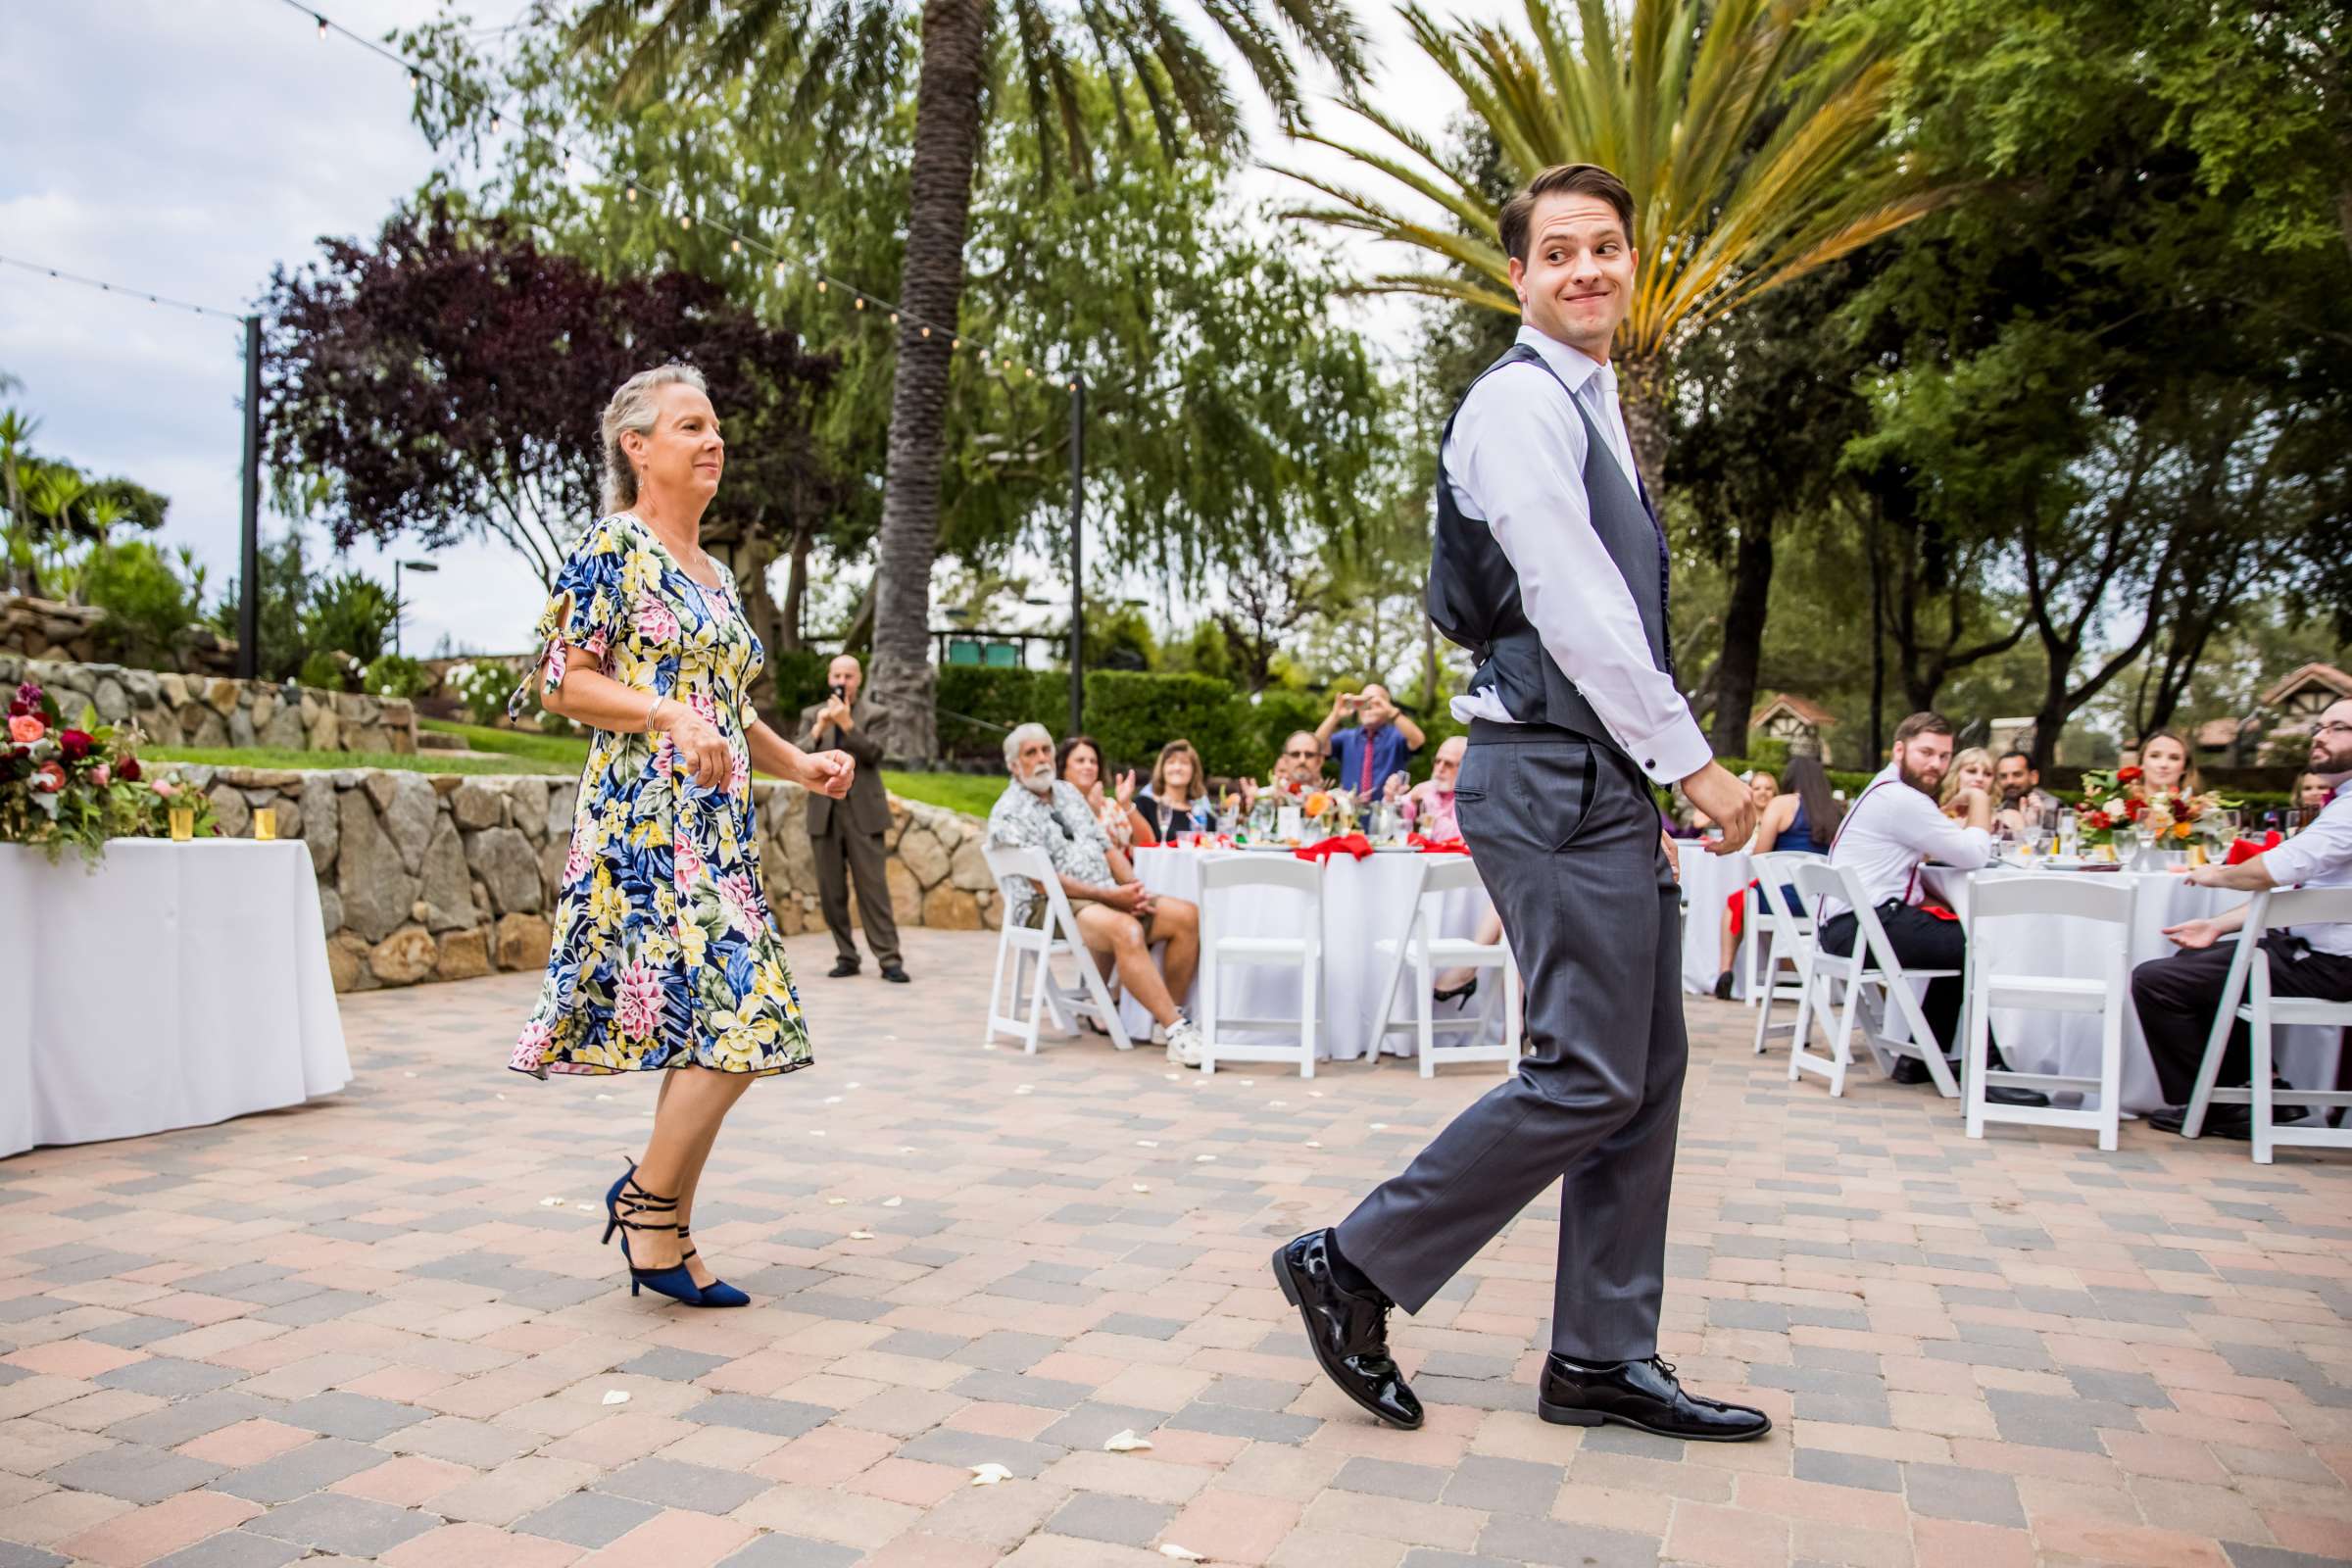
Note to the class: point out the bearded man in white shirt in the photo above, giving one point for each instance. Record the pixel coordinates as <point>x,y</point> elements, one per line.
<point>2177,996</point>
<point>1891,829</point>
<point>1548,563</point>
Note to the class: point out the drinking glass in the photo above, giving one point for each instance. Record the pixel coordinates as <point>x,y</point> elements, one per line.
<point>2145,837</point>
<point>264,823</point>
<point>183,823</point>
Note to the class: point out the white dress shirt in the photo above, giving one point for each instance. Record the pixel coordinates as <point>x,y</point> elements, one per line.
<point>1889,830</point>
<point>2320,857</point>
<point>1516,461</point>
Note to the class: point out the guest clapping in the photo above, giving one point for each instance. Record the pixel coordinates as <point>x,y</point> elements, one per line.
<point>1079,762</point>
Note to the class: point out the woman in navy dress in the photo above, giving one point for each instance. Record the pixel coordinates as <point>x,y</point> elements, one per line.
<point>1802,821</point>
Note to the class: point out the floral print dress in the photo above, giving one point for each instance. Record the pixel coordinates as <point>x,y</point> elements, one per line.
<point>665,952</point>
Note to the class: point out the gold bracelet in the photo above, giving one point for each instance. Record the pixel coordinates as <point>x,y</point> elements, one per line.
<point>653,708</point>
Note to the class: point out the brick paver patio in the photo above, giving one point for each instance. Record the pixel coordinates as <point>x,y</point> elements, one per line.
<point>379,1328</point>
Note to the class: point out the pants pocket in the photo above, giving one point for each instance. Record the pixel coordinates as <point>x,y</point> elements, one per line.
<point>1555,788</point>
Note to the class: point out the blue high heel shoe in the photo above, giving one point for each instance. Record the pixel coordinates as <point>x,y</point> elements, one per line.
<point>626,1199</point>
<point>718,1292</point>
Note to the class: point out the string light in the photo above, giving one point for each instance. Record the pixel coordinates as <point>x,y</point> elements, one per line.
<point>862,302</point>
<point>321,20</point>
<point>632,193</point>
<point>926,331</point>
<point>495,123</point>
<point>105,287</point>
<point>736,246</point>
<point>685,220</point>
<point>820,283</point>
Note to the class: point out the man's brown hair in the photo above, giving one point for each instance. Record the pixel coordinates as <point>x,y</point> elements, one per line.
<point>1583,179</point>
<point>1921,724</point>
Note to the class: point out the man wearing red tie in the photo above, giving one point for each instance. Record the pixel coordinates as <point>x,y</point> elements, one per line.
<point>1383,742</point>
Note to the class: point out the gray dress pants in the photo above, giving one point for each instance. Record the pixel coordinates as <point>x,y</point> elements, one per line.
<point>1565,835</point>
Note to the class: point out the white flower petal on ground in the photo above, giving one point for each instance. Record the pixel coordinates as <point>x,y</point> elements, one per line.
<point>1142,1188</point>
<point>832,1100</point>
<point>1169,1548</point>
<point>1024,1089</point>
<point>988,1475</point>
<point>892,1202</point>
<point>616,1396</point>
<point>1380,1126</point>
<point>862,1236</point>
<point>1146,1143</point>
<point>1203,1159</point>
<point>1124,1443</point>
<point>837,1202</point>
<point>1314,1143</point>
<point>551,1202</point>
<point>1249,1082</point>
<point>603,1097</point>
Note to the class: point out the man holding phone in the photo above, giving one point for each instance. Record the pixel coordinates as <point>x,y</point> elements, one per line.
<point>847,834</point>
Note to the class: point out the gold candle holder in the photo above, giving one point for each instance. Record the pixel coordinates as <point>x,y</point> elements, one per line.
<point>183,823</point>
<point>264,823</point>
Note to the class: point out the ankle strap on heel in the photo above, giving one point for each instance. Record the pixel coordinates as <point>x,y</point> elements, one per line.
<point>635,1200</point>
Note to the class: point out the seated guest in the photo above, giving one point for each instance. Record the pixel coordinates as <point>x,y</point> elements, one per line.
<point>1762,788</point>
<point>1296,770</point>
<point>1117,917</point>
<point>2179,996</point>
<point>1382,741</point>
<point>1079,762</point>
<point>1887,833</point>
<point>1801,821</point>
<point>1176,800</point>
<point>1971,769</point>
<point>2164,763</point>
<point>1432,796</point>
<point>2023,800</point>
<point>2312,792</point>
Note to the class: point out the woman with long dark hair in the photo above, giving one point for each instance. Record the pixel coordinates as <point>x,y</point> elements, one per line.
<point>1803,820</point>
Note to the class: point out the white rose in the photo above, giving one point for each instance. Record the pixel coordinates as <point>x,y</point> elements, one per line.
<point>2114,808</point>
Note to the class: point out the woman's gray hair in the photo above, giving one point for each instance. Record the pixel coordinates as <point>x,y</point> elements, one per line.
<point>635,407</point>
<point>1021,735</point>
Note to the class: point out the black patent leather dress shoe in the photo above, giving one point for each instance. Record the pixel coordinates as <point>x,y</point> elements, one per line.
<point>2227,1122</point>
<point>1349,1333</point>
<point>896,974</point>
<point>842,969</point>
<point>1644,1395</point>
<point>1910,1070</point>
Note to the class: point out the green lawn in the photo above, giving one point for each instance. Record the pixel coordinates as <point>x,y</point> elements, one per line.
<point>522,752</point>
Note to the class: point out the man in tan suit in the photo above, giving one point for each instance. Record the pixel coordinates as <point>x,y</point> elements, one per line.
<point>848,833</point>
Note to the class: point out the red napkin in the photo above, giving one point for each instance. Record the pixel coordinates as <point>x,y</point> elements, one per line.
<point>1354,844</point>
<point>2245,850</point>
<point>1428,846</point>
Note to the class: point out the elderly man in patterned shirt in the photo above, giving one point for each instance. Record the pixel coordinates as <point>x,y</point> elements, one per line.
<point>1117,916</point>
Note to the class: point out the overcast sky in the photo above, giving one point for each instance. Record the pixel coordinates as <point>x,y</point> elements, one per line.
<point>190,146</point>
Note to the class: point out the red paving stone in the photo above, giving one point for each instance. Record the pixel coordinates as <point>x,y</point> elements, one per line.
<point>366,1317</point>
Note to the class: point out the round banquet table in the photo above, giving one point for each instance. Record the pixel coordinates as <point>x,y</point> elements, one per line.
<point>173,985</point>
<point>1364,901</point>
<point>1708,882</point>
<point>2069,1042</point>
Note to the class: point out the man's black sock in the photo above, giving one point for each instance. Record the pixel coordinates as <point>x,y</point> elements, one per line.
<point>1345,1274</point>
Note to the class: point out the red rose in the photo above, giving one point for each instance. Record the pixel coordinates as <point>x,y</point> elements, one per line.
<point>51,779</point>
<point>127,769</point>
<point>2125,776</point>
<point>2097,822</point>
<point>75,744</point>
<point>2133,809</point>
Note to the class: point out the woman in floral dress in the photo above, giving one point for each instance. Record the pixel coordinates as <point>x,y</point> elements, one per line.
<point>666,957</point>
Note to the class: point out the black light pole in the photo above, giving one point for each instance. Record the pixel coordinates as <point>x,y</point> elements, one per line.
<point>399,604</point>
<point>249,552</point>
<point>1077,554</point>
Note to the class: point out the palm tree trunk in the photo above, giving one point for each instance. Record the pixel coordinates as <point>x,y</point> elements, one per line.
<point>947,144</point>
<point>1743,639</point>
<point>1641,398</point>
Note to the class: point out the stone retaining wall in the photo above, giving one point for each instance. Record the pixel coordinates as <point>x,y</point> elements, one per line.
<point>427,876</point>
<point>176,710</point>
<point>84,634</point>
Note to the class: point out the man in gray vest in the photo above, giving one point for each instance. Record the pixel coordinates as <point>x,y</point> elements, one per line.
<point>847,834</point>
<point>1549,564</point>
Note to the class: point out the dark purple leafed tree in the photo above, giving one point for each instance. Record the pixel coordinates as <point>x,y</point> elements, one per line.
<point>448,379</point>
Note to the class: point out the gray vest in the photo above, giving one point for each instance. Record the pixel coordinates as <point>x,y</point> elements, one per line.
<point>1473,594</point>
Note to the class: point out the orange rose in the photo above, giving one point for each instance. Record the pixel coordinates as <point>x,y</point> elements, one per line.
<point>1317,803</point>
<point>26,728</point>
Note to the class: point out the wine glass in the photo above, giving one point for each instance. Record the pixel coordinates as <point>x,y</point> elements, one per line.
<point>2145,837</point>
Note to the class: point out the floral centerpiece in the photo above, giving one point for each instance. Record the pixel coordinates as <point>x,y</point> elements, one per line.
<point>2119,804</point>
<point>79,784</point>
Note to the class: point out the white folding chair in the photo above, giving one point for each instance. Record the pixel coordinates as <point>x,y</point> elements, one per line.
<point>2107,994</point>
<point>1020,947</point>
<point>1835,985</point>
<point>1779,935</point>
<point>2274,910</point>
<point>1424,954</point>
<point>1224,874</point>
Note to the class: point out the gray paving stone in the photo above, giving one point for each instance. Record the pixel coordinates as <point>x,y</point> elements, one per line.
<point>783,1418</point>
<point>357,1417</point>
<point>460,1440</point>
<point>235,1548</point>
<point>586,1519</point>
<point>1831,1468</point>
<point>1235,1421</point>
<point>298,1472</point>
<point>323,1307</point>
<point>2242,1555</point>
<point>1432,1557</point>
<point>16,1554</point>
<point>669,1484</point>
<point>1004,1350</point>
<point>168,1377</point>
<point>356,1527</point>
<point>793,1551</point>
<point>1503,1486</point>
<point>921,1345</point>
<point>844,1308</point>
<point>1139,1327</point>
<point>133,1332</point>
<point>1614,1438</point>
<point>1107,1516</point>
<point>134,1472</point>
<point>1014,1387</point>
<point>1388,1478</point>
<point>961,1450</point>
<point>1087,1425</point>
<point>675,1365</point>
<point>1726,1313</point>
<point>1951,1491</point>
<point>2134,1389</point>
<point>178,1423</point>
<point>1516,1539</point>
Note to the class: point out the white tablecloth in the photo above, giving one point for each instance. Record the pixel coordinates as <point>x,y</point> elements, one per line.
<point>173,986</point>
<point>1708,881</point>
<point>2069,1044</point>
<point>1363,903</point>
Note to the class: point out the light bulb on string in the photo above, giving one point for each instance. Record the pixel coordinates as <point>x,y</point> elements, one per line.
<point>415,81</point>
<point>953,344</point>
<point>862,302</point>
<point>1032,372</point>
<point>893,318</point>
<point>779,271</point>
<point>685,220</point>
<point>820,285</point>
<point>735,245</point>
<point>926,331</point>
<point>321,20</point>
<point>632,192</point>
<point>496,122</point>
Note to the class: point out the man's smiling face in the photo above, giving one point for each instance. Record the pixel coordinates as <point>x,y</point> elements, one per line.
<point>1577,282</point>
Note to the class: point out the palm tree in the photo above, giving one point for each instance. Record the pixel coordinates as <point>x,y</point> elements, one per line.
<point>841,50</point>
<point>16,440</point>
<point>1757,150</point>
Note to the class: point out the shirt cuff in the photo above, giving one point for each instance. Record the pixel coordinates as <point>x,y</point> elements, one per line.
<point>1673,753</point>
